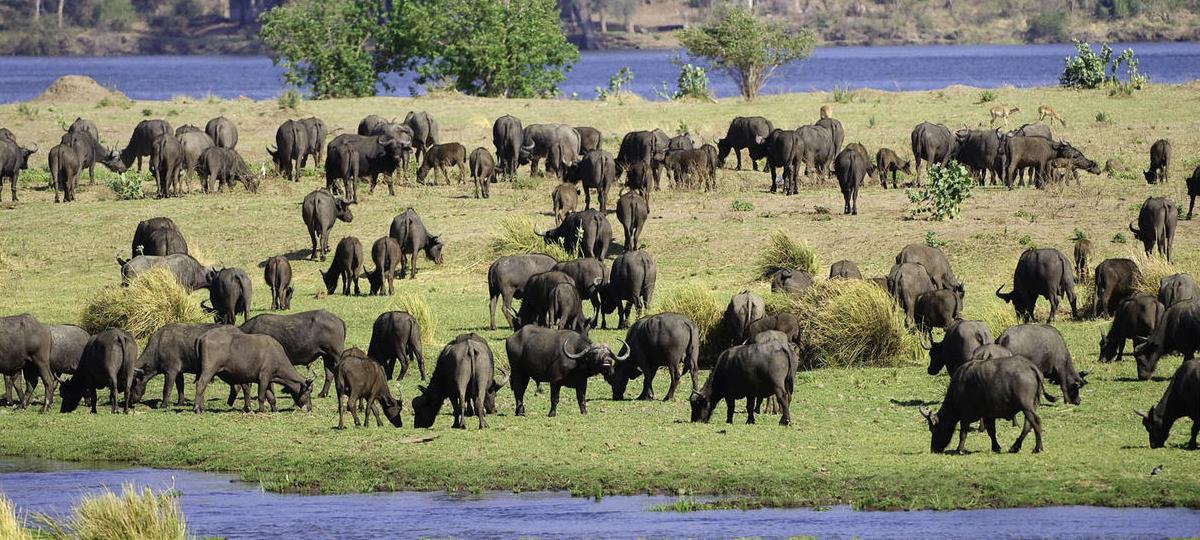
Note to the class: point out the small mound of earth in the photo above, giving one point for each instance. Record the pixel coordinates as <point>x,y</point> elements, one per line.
<point>78,88</point>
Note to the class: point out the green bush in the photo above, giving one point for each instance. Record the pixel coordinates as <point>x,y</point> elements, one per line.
<point>739,205</point>
<point>127,186</point>
<point>942,196</point>
<point>692,83</point>
<point>933,240</point>
<point>1089,70</point>
<point>783,253</point>
<point>745,47</point>
<point>987,96</point>
<point>1077,235</point>
<point>289,100</point>
<point>842,94</point>
<point>616,85</point>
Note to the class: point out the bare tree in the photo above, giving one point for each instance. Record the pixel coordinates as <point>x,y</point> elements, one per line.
<point>60,13</point>
<point>37,10</point>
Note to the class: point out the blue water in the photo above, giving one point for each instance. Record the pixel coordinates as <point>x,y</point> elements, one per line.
<point>215,505</point>
<point>884,68</point>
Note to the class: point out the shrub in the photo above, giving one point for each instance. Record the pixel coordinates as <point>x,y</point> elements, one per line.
<point>850,323</point>
<point>702,307</point>
<point>144,515</point>
<point>987,96</point>
<point>842,94</point>
<point>1118,238</point>
<point>11,527</point>
<point>127,186</point>
<point>1102,118</point>
<point>1077,235</point>
<point>616,86</point>
<point>871,121</point>
<point>419,309</point>
<point>933,240</point>
<point>1153,268</point>
<point>783,253</point>
<point>946,187</point>
<point>26,111</point>
<point>151,301</point>
<point>739,205</point>
<point>517,237</point>
<point>147,113</point>
<point>289,100</point>
<point>692,83</point>
<point>1090,70</point>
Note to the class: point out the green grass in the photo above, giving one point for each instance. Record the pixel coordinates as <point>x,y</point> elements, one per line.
<point>856,437</point>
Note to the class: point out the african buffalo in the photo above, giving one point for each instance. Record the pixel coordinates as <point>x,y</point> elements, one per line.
<point>187,270</point>
<point>596,171</point>
<point>745,132</point>
<point>166,162</point>
<point>1178,331</point>
<point>361,378</point>
<point>1193,190</point>
<point>1156,225</point>
<point>887,161</point>
<point>158,236</point>
<point>790,281</point>
<point>1160,162</point>
<point>1179,400</point>
<point>667,340</point>
<point>171,351</point>
<point>744,308</point>
<point>1043,345</point>
<point>781,152</point>
<point>1037,152</point>
<point>91,152</point>
<point>632,212</point>
<point>935,264</point>
<point>589,275</point>
<point>346,265</point>
<point>564,309</point>
<point>937,309</point>
<point>109,360</point>
<point>815,150</point>
<point>932,143</point>
<point>558,144</point>
<point>64,166</point>
<point>13,159</point>
<point>1177,288</point>
<point>536,301</point>
<point>597,234</point>
<point>464,374</point>
<point>230,294</point>
<point>907,282</point>
<point>224,167</point>
<point>320,212</point>
<point>1044,272</point>
<point>441,156</point>
<point>979,150</point>
<point>1083,252</point>
<point>563,200</point>
<point>424,129</point>
<point>66,347</point>
<point>754,371</point>
<point>142,140</point>
<point>408,231</point>
<point>690,168</point>
<point>277,273</point>
<point>306,336</point>
<point>1115,280</point>
<point>385,253</point>
<point>646,150</point>
<point>396,336</point>
<point>784,323</point>
<point>844,269</point>
<point>194,144</point>
<point>589,138</point>
<point>26,343</point>
<point>291,147</point>
<point>244,358</point>
<point>507,277</point>
<point>630,285</point>
<point>354,156</point>
<point>508,137</point>
<point>987,390</point>
<point>559,357</point>
<point>850,168</point>
<point>483,171</point>
<point>956,348</point>
<point>1133,319</point>
<point>316,133</point>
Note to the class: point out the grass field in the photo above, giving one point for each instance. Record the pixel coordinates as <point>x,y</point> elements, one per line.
<point>856,436</point>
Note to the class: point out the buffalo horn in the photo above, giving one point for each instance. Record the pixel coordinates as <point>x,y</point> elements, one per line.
<point>624,348</point>
<point>571,355</point>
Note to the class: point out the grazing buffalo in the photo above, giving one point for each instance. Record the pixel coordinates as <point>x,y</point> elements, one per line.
<point>245,358</point>
<point>223,132</point>
<point>483,171</point>
<point>906,282</point>
<point>408,231</point>
<point>743,309</point>
<point>597,234</point>
<point>385,253</point>
<point>589,138</point>
<point>396,336</point>
<point>596,171</point>
<point>1134,319</point>
<point>64,166</point>
<point>1193,190</point>
<point>320,212</point>
<point>749,133</point>
<point>424,129</point>
<point>1115,280</point>
<point>887,161</point>
<point>278,275</point>
<point>1177,288</point>
<point>1083,252</point>
<point>630,285</point>
<point>1156,225</point>
<point>354,156</point>
<point>632,212</point>
<point>13,159</point>
<point>784,323</point>
<point>987,390</point>
<point>346,265</point>
<point>109,360</point>
<point>361,378</point>
<point>935,264</point>
<point>850,168</point>
<point>790,281</point>
<point>590,276</point>
<point>754,371</point>
<point>465,375</point>
<point>937,309</point>
<point>194,144</point>
<point>66,347</point>
<point>979,150</point>
<point>151,237</point>
<point>836,133</point>
<point>507,277</point>
<point>171,351</point>
<point>956,348</point>
<point>441,156</point>
<point>91,152</point>
<point>932,143</point>
<point>1044,272</point>
<point>508,137</point>
<point>26,344</point>
<point>187,270</point>
<point>564,309</point>
<point>81,125</point>
<point>647,150</point>
<point>1043,345</point>
<point>1178,331</point>
<point>230,294</point>
<point>306,336</point>
<point>559,357</point>
<point>224,167</point>
<point>166,162</point>
<point>1182,398</point>
<point>1037,153</point>
<point>667,340</point>
<point>690,169</point>
<point>815,150</point>
<point>563,200</point>
<point>1160,162</point>
<point>844,269</point>
<point>536,304</point>
<point>558,144</point>
<point>291,148</point>
<point>317,132</point>
<point>142,140</point>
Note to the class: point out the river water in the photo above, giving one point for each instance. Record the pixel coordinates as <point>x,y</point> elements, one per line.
<point>883,68</point>
<point>216,505</point>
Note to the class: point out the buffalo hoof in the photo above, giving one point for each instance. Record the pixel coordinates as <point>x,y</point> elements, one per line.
<point>645,397</point>
<point>552,414</point>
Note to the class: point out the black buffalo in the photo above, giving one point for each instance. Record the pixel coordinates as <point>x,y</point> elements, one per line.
<point>1115,280</point>
<point>784,323</point>
<point>508,137</point>
<point>956,348</point>
<point>935,264</point>
<point>932,143</point>
<point>507,277</point>
<point>631,285</point>
<point>87,146</point>
<point>597,234</point>
<point>906,282</point>
<point>172,352</point>
<point>1178,331</point>
<point>1134,319</point>
<point>844,269</point>
<point>408,231</point>
<point>887,161</point>
<point>25,343</point>
<point>589,138</point>
<point>1177,288</point>
<point>142,140</point>
<point>13,159</point>
<point>1160,162</point>
<point>749,133</point>
<point>291,147</point>
<point>596,171</point>
<point>1042,272</point>
<point>395,336</point>
<point>536,304</point>
<point>109,360</point>
<point>351,157</point>
<point>743,309</point>
<point>558,144</point>
<point>166,162</point>
<point>987,390</point>
<point>632,212</point>
<point>483,171</point>
<point>1156,225</point>
<point>563,201</point>
<point>385,253</point>
<point>316,132</point>
<point>1182,398</point>
<point>245,358</point>
<point>790,281</point>
<point>346,266</point>
<point>306,336</point>
<point>64,166</point>
<point>187,270</point>
<point>754,371</point>
<point>223,132</point>
<point>230,294</point>
<point>320,212</point>
<point>220,168</point>
<point>158,236</point>
<point>667,340</point>
<point>361,378</point>
<point>850,168</point>
<point>278,274</point>
<point>440,157</point>
<point>559,357</point>
<point>1043,345</point>
<point>464,374</point>
<point>937,309</point>
<point>424,129</point>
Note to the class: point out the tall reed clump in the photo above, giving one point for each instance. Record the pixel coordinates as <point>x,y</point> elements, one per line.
<point>518,237</point>
<point>151,301</point>
<point>849,323</point>
<point>704,309</point>
<point>419,309</point>
<point>144,515</point>
<point>11,527</point>
<point>1153,268</point>
<point>783,253</point>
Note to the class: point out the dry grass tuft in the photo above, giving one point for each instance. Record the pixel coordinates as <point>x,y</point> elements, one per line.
<point>696,303</point>
<point>998,316</point>
<point>419,309</point>
<point>144,515</point>
<point>1153,268</point>
<point>783,253</point>
<point>152,300</point>
<point>517,237</point>
<point>11,527</point>
<point>849,323</point>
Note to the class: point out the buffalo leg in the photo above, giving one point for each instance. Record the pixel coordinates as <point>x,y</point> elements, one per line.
<point>246,398</point>
<point>1191,445</point>
<point>673,370</point>
<point>730,405</point>
<point>329,364</point>
<point>202,381</point>
<point>457,402</point>
<point>554,393</point>
<point>480,410</point>
<point>990,425</point>
<point>341,409</point>
<point>785,405</point>
<point>519,383</point>
<point>312,235</point>
<point>373,407</point>
<point>963,428</point>
<point>352,404</point>
<point>91,397</point>
<point>581,396</point>
<point>1028,425</point>
<point>752,403</point>
<point>232,396</point>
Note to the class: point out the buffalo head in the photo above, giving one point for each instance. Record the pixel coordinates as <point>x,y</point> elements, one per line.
<point>622,373</point>
<point>597,357</point>
<point>342,208</point>
<point>424,408</point>
<point>1022,305</point>
<point>392,409</point>
<point>941,431</point>
<point>1147,355</point>
<point>1156,427</point>
<point>701,412</point>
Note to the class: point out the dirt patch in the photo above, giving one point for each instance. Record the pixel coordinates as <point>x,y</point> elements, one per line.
<point>77,89</point>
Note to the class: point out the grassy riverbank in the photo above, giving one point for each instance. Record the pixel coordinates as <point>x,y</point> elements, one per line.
<point>856,436</point>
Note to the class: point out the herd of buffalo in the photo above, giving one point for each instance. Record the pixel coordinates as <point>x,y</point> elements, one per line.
<point>991,377</point>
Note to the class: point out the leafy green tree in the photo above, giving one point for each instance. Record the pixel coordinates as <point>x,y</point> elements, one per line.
<point>511,48</point>
<point>325,45</point>
<point>747,48</point>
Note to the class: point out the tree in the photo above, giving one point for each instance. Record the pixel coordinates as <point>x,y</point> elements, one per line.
<point>324,45</point>
<point>510,48</point>
<point>745,47</point>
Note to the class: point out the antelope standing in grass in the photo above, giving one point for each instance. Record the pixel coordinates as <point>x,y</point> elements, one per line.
<point>1046,111</point>
<point>1001,112</point>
